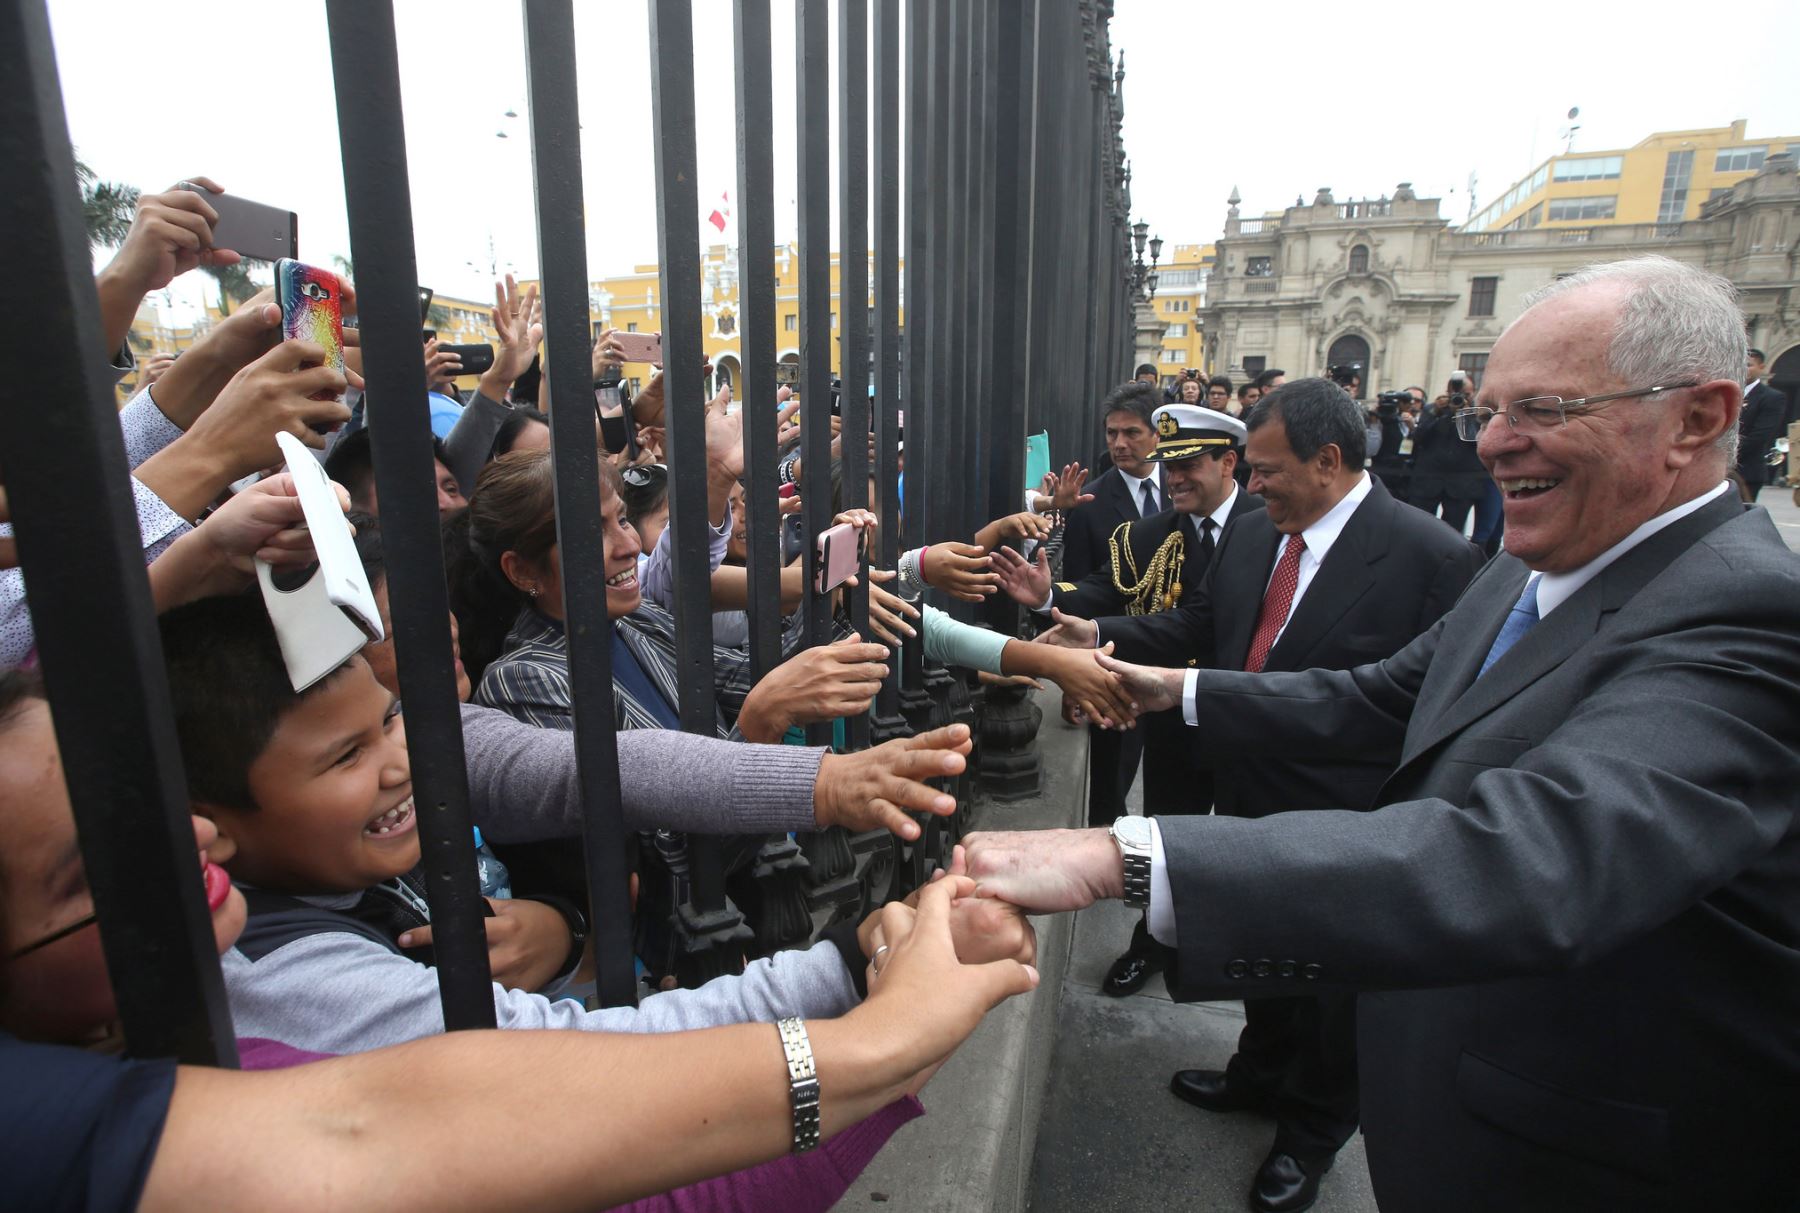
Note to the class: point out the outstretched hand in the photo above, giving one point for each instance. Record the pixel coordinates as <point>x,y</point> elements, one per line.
<point>1071,631</point>
<point>961,570</point>
<point>1045,871</point>
<point>1026,582</point>
<point>874,789</point>
<point>1153,689</point>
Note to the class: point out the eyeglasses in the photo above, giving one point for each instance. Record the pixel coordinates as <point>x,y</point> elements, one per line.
<point>639,475</point>
<point>1537,413</point>
<point>80,924</point>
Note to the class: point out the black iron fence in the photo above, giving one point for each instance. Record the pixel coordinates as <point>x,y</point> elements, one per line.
<point>995,167</point>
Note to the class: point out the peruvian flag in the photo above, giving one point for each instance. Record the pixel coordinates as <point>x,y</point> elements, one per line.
<point>721,215</point>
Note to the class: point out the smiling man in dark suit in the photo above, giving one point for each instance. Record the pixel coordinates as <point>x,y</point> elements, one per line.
<point>1334,573</point>
<point>1575,919</point>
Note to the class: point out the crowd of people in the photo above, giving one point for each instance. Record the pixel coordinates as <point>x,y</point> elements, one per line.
<point>1533,930</point>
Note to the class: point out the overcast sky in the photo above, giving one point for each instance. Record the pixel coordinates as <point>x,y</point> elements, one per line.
<point>1276,102</point>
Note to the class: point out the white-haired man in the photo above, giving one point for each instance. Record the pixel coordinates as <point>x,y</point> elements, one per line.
<point>1575,920</point>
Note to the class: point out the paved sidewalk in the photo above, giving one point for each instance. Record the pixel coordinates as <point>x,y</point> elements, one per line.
<point>1780,504</point>
<point>1112,1137</point>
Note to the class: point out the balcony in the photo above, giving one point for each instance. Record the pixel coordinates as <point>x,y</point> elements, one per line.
<point>1257,227</point>
<point>1260,286</point>
<point>1608,235</point>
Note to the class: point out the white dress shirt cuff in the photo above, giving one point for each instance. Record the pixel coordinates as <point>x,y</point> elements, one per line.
<point>1160,917</point>
<point>1190,709</point>
<point>1043,608</point>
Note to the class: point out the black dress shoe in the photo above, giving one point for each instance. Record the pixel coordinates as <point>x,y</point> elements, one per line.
<point>1208,1089</point>
<point>1284,1184</point>
<point>1130,971</point>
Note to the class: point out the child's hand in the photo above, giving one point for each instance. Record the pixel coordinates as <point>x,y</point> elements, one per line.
<point>528,942</point>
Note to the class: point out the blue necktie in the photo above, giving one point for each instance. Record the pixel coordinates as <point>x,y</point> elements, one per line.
<point>1520,620</point>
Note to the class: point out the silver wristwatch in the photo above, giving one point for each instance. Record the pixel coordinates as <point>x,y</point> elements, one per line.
<point>803,1084</point>
<point>1132,836</point>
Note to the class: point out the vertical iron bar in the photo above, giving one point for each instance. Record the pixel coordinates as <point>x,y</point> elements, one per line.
<point>853,292</point>
<point>1010,226</point>
<point>756,316</point>
<point>886,337</point>
<point>555,118</point>
<point>71,499</point>
<point>678,246</point>
<point>812,44</point>
<point>366,70</point>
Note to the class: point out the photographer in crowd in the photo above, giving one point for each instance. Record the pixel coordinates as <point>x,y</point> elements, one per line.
<point>1447,478</point>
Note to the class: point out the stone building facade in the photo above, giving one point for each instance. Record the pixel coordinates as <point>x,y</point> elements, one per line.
<point>1388,283</point>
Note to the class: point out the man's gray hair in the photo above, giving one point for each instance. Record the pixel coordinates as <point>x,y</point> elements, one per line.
<point>1677,324</point>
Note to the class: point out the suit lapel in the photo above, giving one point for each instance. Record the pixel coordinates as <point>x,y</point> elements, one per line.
<point>1346,574</point>
<point>1556,639</point>
<point>1124,509</point>
<point>1242,577</point>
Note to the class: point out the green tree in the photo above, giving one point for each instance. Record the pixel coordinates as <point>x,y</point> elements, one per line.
<point>235,284</point>
<point>107,206</point>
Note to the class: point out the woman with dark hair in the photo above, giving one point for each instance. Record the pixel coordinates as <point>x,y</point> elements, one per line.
<point>507,594</point>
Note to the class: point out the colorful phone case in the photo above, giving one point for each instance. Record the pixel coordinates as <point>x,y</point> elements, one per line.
<point>312,309</point>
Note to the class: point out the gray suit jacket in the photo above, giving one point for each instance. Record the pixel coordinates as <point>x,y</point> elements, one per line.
<point>1580,901</point>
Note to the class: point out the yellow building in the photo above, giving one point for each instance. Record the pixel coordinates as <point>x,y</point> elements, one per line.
<point>1180,298</point>
<point>631,302</point>
<point>1664,179</point>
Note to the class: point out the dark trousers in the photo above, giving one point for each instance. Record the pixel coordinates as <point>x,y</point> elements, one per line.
<point>1174,780</point>
<point>1112,765</point>
<point>1455,511</point>
<point>1300,1053</point>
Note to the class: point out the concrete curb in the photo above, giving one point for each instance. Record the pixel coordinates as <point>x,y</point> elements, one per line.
<point>972,1152</point>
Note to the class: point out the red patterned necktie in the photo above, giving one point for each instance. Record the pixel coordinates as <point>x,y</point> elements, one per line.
<point>1275,604</point>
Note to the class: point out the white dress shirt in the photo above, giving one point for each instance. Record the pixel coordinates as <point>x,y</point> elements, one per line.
<point>1136,485</point>
<point>1318,538</point>
<point>1554,589</point>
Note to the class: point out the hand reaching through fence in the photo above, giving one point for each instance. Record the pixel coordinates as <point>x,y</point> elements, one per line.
<point>819,684</point>
<point>875,788</point>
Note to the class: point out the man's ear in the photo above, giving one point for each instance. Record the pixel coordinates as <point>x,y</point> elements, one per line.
<point>1710,410</point>
<point>1329,460</point>
<point>225,847</point>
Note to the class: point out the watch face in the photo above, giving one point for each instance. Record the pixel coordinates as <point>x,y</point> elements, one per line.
<point>1133,831</point>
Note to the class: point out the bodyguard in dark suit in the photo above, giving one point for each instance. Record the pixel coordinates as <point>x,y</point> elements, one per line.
<point>1759,425</point>
<point>1129,490</point>
<point>1575,919</point>
<point>1334,573</point>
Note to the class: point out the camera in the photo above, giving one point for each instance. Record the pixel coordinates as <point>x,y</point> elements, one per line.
<point>1459,389</point>
<point>1192,373</point>
<point>1389,404</point>
<point>1346,375</point>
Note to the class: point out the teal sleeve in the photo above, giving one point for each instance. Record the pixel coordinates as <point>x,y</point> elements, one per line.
<point>956,643</point>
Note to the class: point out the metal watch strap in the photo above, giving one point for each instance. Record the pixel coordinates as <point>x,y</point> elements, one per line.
<point>803,1083</point>
<point>1137,880</point>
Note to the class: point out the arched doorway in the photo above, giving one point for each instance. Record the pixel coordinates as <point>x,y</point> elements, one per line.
<point>1350,349</point>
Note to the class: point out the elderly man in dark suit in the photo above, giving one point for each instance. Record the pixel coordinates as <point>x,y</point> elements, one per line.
<point>1333,574</point>
<point>1761,423</point>
<point>1575,919</point>
<point>1132,488</point>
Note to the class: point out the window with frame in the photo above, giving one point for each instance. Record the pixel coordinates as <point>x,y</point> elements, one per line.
<point>1600,207</point>
<point>1171,355</point>
<point>1473,365</point>
<point>1359,259</point>
<point>1176,331</point>
<point>1590,168</point>
<point>1481,295</point>
<point>790,323</point>
<point>1740,159</point>
<point>631,326</point>
<point>1259,267</point>
<point>1675,187</point>
<point>1255,365</point>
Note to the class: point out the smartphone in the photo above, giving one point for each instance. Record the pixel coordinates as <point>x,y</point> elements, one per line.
<point>476,359</point>
<point>312,309</point>
<point>332,613</point>
<point>640,347</point>
<point>840,551</point>
<point>255,230</point>
<point>787,374</point>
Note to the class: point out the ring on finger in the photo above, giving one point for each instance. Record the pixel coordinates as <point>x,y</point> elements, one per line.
<point>875,960</point>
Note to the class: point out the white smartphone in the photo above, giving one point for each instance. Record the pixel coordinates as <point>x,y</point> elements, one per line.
<point>339,564</point>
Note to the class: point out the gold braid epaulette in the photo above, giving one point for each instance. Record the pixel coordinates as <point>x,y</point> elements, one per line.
<point>1158,587</point>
